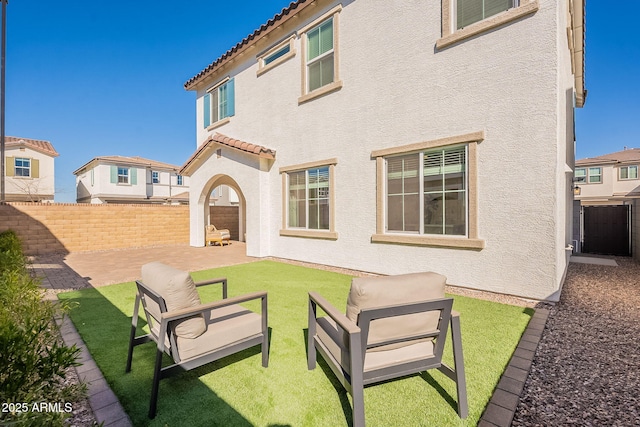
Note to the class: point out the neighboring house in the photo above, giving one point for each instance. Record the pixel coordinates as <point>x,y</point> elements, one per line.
<point>224,196</point>
<point>118,179</point>
<point>398,137</point>
<point>29,166</point>
<point>607,190</point>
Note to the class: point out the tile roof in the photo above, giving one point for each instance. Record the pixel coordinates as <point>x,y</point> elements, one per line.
<point>280,18</point>
<point>220,139</point>
<point>624,156</point>
<point>44,147</point>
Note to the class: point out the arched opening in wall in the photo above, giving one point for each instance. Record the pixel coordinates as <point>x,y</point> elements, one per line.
<point>225,206</point>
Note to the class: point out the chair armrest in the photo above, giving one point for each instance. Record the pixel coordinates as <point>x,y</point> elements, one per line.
<point>212,281</point>
<point>343,321</point>
<point>455,313</point>
<point>186,312</point>
<point>222,280</point>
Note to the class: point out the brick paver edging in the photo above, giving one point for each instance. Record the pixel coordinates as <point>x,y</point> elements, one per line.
<point>104,403</point>
<point>502,406</point>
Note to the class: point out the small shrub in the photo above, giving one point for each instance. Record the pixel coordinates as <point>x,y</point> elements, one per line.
<point>34,360</point>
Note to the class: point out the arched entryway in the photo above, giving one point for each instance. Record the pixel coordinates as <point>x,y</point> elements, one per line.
<point>205,198</point>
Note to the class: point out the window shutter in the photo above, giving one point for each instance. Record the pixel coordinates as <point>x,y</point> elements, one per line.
<point>35,168</point>
<point>114,174</point>
<point>207,110</point>
<point>134,176</point>
<point>10,166</point>
<point>231,98</point>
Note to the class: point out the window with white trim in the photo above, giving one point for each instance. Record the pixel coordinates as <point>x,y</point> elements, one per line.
<point>628,172</point>
<point>155,177</point>
<point>588,175</point>
<point>308,200</point>
<point>22,167</point>
<point>179,180</point>
<point>468,12</point>
<point>320,56</point>
<point>123,175</point>
<point>219,103</point>
<point>308,192</point>
<point>435,192</point>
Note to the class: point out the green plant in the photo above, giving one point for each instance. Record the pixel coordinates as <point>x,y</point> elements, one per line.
<point>34,360</point>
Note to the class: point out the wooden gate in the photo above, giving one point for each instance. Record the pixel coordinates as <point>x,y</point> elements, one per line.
<point>606,230</point>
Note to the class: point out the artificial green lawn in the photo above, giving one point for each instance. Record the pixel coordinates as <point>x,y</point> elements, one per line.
<point>238,391</point>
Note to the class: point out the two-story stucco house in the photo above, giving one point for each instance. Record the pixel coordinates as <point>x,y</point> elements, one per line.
<point>392,137</point>
<point>119,179</point>
<point>607,193</point>
<point>29,170</point>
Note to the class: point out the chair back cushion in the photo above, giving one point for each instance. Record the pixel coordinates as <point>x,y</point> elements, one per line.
<point>178,291</point>
<point>376,292</point>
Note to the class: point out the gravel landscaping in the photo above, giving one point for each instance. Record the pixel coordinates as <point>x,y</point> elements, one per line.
<point>585,371</point>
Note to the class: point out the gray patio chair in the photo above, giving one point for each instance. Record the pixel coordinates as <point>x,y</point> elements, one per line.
<point>192,333</point>
<point>394,326</point>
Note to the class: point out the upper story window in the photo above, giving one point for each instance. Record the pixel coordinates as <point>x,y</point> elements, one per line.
<point>471,11</point>
<point>462,19</point>
<point>276,55</point>
<point>155,177</point>
<point>320,56</point>
<point>628,172</point>
<point>588,175</point>
<point>22,167</point>
<point>219,103</point>
<point>179,179</point>
<point>123,175</point>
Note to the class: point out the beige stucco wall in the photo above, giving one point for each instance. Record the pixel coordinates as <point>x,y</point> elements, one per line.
<point>514,83</point>
<point>49,228</point>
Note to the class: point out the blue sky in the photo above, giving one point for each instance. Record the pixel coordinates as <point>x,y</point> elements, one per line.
<point>106,78</point>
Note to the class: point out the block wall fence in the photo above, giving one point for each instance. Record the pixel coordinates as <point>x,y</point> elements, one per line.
<point>62,228</point>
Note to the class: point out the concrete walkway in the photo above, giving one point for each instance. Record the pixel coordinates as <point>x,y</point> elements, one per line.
<point>61,273</point>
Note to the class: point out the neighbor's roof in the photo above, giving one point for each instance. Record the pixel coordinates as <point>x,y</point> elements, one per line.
<point>43,147</point>
<point>629,155</point>
<point>217,140</point>
<point>127,161</point>
<point>285,14</point>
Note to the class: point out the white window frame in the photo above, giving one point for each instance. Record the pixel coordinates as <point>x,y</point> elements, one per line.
<point>22,167</point>
<point>421,192</point>
<point>328,234</point>
<point>263,60</point>
<point>216,89</point>
<point>306,95</point>
<point>124,178</point>
<point>628,169</point>
<point>471,240</point>
<point>588,175</point>
<point>179,180</point>
<point>155,177</point>
<point>452,35</point>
